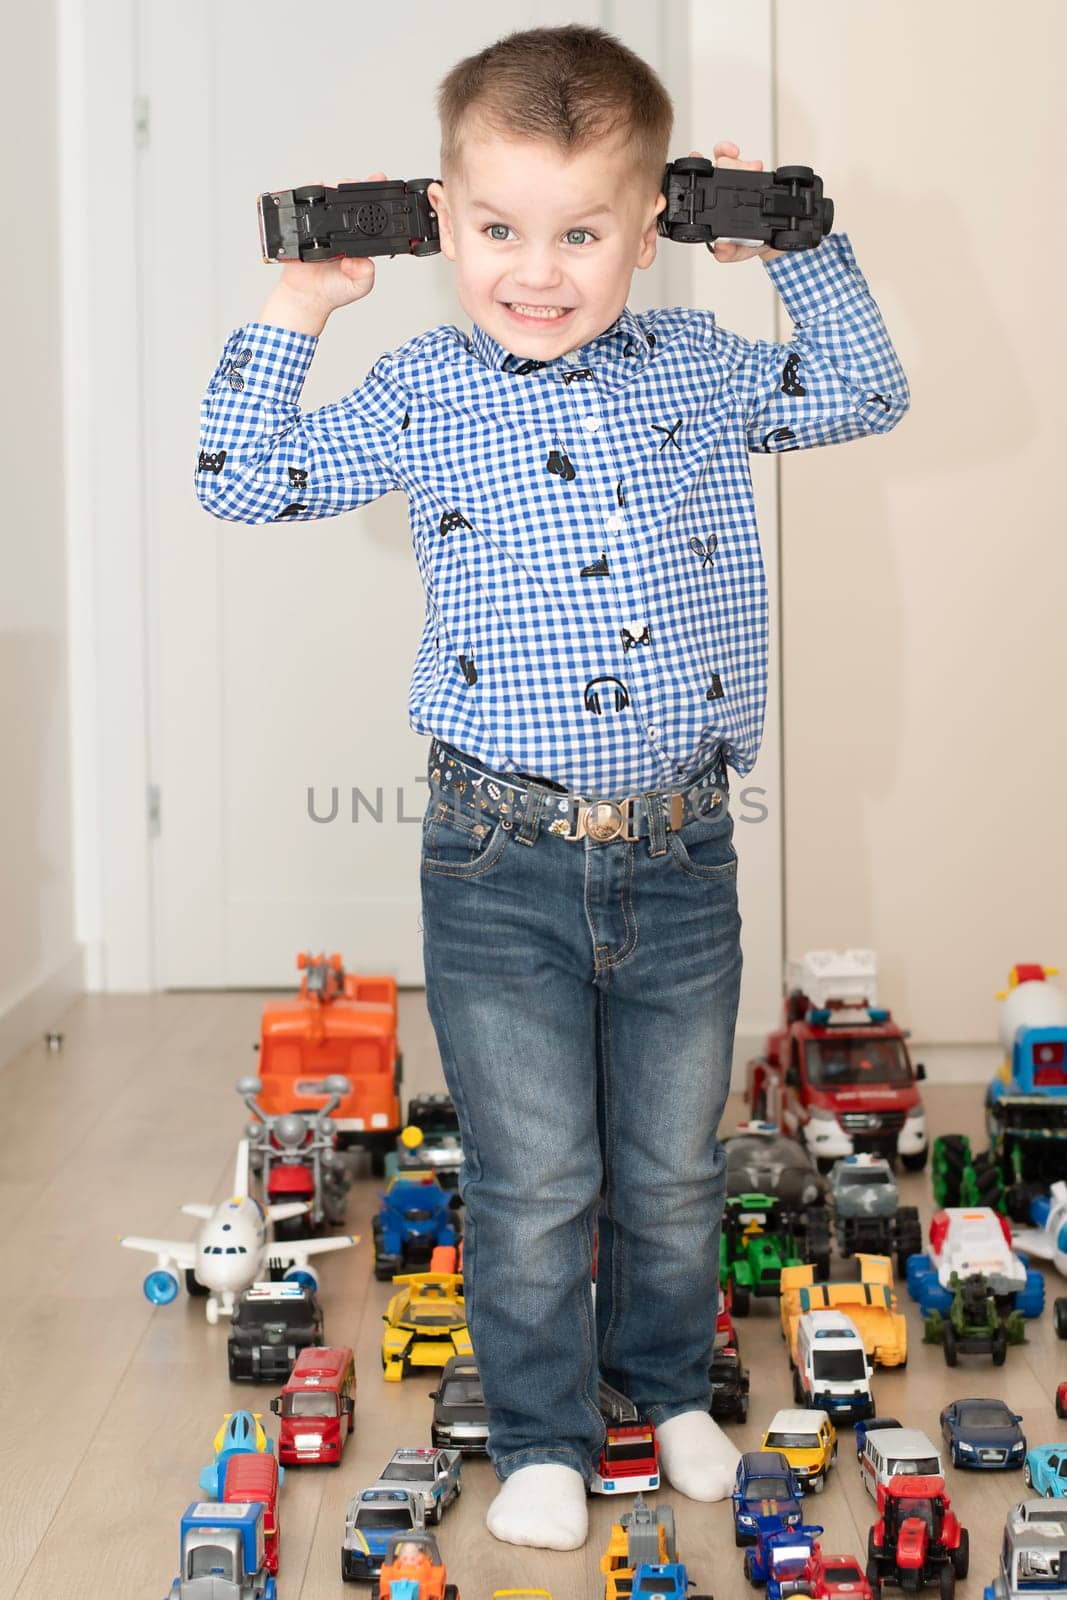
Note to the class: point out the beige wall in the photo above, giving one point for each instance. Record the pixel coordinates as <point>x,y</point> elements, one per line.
<point>37,953</point>
<point>925,574</point>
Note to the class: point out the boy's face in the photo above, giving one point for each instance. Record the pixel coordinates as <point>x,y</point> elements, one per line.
<point>523,226</point>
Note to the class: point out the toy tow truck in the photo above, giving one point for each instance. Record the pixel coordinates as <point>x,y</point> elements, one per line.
<point>629,1457</point>
<point>223,1554</point>
<point>917,1539</point>
<point>973,1325</point>
<point>340,1024</point>
<point>837,1072</point>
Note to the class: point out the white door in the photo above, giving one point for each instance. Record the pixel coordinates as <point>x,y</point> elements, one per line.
<point>280,655</point>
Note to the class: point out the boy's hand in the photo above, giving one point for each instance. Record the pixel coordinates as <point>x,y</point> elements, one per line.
<point>727,155</point>
<point>308,291</point>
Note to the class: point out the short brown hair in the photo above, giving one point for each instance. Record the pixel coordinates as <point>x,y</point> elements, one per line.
<point>572,86</point>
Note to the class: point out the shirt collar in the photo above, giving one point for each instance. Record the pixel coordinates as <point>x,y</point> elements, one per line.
<point>624,338</point>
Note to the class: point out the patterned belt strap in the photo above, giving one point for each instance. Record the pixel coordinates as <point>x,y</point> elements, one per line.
<point>572,816</point>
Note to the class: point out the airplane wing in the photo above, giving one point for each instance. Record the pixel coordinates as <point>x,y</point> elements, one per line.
<point>288,1208</point>
<point>192,1208</point>
<point>171,1252</point>
<point>1035,1241</point>
<point>300,1250</point>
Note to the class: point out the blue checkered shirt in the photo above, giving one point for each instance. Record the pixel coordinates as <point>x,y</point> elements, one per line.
<point>596,607</point>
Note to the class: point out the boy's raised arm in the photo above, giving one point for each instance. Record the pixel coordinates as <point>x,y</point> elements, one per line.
<point>260,458</point>
<point>838,377</point>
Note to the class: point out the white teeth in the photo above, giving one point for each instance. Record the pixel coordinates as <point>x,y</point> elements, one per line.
<point>547,312</point>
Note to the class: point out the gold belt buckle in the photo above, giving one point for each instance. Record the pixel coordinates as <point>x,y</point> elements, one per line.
<point>604,820</point>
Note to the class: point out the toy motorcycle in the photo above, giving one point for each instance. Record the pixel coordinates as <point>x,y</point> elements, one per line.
<point>296,1156</point>
<point>785,208</point>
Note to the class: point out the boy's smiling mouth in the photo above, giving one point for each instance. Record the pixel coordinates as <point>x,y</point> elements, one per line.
<point>535,313</point>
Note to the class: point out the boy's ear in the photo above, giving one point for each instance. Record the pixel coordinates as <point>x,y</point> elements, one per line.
<point>647,252</point>
<point>435,193</point>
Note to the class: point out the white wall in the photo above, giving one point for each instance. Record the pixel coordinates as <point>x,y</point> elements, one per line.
<point>40,965</point>
<point>924,574</point>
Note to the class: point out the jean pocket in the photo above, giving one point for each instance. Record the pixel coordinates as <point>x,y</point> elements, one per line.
<point>703,846</point>
<point>460,840</point>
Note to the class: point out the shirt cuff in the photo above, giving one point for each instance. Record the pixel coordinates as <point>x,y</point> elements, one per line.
<point>265,362</point>
<point>815,280</point>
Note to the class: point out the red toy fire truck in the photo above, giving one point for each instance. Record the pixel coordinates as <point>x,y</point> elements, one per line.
<point>837,1073</point>
<point>629,1459</point>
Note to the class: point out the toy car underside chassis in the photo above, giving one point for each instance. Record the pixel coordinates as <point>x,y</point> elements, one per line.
<point>385,217</point>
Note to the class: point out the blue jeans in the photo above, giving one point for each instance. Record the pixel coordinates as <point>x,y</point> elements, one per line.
<point>584,997</point>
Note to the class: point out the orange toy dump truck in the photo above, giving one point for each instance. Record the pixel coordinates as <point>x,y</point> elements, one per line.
<point>339,1024</point>
<point>871,1304</point>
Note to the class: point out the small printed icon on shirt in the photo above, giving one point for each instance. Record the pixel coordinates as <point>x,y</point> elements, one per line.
<point>670,432</point>
<point>560,463</point>
<point>291,511</point>
<point>779,436</point>
<point>298,478</point>
<point>467,667</point>
<point>232,370</point>
<point>620,493</point>
<point>211,461</point>
<point>704,547</point>
<point>529,366</point>
<point>716,691</point>
<point>882,401</point>
<point>596,569</point>
<point>451,520</point>
<point>406,422</point>
<point>629,638</point>
<point>791,383</point>
<point>577,372</point>
<point>591,696</point>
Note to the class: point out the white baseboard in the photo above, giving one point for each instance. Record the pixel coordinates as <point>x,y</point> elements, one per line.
<point>25,1019</point>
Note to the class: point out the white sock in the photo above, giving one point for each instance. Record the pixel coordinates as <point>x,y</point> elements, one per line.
<point>543,1505</point>
<point>697,1457</point>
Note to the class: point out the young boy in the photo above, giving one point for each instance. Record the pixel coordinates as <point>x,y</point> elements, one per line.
<point>594,655</point>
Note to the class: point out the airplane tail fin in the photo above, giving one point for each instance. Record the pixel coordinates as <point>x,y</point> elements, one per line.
<point>240,1173</point>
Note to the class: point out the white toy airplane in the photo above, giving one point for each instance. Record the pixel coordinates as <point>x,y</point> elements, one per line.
<point>232,1250</point>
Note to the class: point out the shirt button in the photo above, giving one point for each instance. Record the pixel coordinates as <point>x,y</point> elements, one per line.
<point>652,732</point>
<point>614,522</point>
<point>591,424</point>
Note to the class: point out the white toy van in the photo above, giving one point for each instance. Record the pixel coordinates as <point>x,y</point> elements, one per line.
<point>892,1452</point>
<point>832,1370</point>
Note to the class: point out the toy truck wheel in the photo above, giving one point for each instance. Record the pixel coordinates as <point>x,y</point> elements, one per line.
<point>1031,1299</point>
<point>793,174</point>
<point>949,1345</point>
<point>946,1582</point>
<point>348,1571</point>
<point>742,1409</point>
<point>750,1571</point>
<point>819,1484</point>
<point>874,1578</point>
<point>917,1161</point>
<point>741,1301</point>
<point>872,1550</point>
<point>961,1556</point>
<point>318,252</point>
<point>451,1592</point>
<point>799,1396</point>
<point>1000,1347</point>
<point>314,191</point>
<point>1028,1477</point>
<point>739,1538</point>
<point>1059,1316</point>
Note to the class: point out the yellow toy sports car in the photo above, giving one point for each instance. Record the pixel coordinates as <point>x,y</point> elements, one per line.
<point>425,1323</point>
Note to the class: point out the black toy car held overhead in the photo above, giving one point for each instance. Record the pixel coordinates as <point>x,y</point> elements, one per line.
<point>460,1420</point>
<point>272,1323</point>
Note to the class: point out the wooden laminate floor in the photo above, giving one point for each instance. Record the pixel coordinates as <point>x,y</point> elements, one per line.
<point>108,1406</point>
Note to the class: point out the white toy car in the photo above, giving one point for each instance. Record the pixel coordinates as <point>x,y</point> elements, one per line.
<point>968,1241</point>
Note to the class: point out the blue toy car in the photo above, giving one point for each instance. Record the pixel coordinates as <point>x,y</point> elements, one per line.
<point>669,1582</point>
<point>867,1425</point>
<point>780,1557</point>
<point>766,1495</point>
<point>1045,1470</point>
<point>983,1433</point>
<point>415,1216</point>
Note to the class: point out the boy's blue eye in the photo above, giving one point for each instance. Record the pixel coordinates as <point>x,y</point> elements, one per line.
<point>490,226</point>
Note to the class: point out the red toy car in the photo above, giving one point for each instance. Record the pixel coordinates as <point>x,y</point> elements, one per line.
<point>837,1074</point>
<point>1061,1400</point>
<point>836,1575</point>
<point>917,1539</point>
